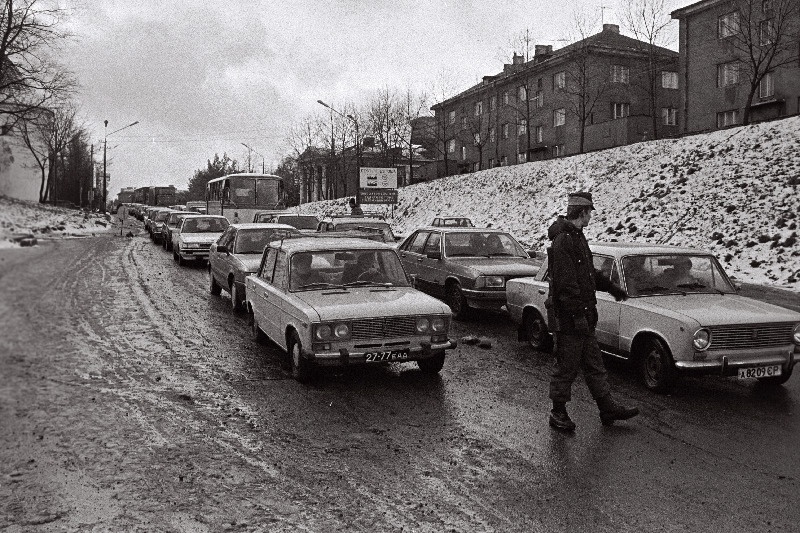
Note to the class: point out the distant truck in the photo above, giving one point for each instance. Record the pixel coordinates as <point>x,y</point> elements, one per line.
<point>161,196</point>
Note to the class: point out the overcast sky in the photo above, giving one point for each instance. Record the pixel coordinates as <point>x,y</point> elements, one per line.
<point>202,77</point>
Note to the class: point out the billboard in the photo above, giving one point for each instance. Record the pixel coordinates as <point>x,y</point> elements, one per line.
<point>378,178</point>
<point>377,196</point>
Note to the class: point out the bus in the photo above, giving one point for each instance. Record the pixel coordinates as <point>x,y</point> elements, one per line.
<point>238,196</point>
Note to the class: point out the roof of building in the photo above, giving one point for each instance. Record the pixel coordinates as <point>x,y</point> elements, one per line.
<point>694,8</point>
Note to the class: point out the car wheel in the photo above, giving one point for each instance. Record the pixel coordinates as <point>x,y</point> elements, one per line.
<point>175,255</point>
<point>536,331</point>
<point>776,380</point>
<point>236,301</point>
<point>432,365</point>
<point>457,302</point>
<point>300,367</point>
<point>213,287</point>
<point>255,331</point>
<point>657,368</point>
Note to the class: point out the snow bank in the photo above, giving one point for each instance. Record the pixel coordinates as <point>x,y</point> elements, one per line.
<point>18,217</point>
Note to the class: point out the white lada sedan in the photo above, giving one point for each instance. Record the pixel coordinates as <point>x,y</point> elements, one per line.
<point>683,316</point>
<point>333,302</point>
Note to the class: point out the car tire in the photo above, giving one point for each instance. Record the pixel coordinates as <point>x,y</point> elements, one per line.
<point>432,365</point>
<point>536,332</point>
<point>300,367</point>
<point>255,331</point>
<point>236,301</point>
<point>458,304</point>
<point>776,380</point>
<point>213,287</point>
<point>656,366</point>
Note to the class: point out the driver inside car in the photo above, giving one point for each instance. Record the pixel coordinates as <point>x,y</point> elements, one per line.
<point>366,268</point>
<point>302,274</point>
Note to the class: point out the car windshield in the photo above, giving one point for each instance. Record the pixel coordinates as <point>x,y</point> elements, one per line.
<point>647,275</point>
<point>161,216</point>
<point>299,221</point>
<point>345,269</point>
<point>368,226</point>
<point>253,241</point>
<point>204,225</point>
<point>481,244</point>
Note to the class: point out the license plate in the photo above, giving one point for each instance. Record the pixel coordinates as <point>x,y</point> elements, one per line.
<point>391,355</point>
<point>760,372</point>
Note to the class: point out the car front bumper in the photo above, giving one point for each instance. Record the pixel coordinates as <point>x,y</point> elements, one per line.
<point>485,299</point>
<point>730,363</point>
<point>344,357</point>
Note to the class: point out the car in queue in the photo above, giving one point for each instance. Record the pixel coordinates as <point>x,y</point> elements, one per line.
<point>357,223</point>
<point>158,224</point>
<point>335,302</point>
<point>172,223</point>
<point>149,219</point>
<point>305,223</point>
<point>198,206</point>
<point>462,222</point>
<point>192,240</point>
<point>237,254</point>
<point>467,267</point>
<point>683,316</point>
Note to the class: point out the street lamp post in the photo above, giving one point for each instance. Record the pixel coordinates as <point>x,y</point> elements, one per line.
<point>263,164</point>
<point>105,145</point>
<point>358,141</point>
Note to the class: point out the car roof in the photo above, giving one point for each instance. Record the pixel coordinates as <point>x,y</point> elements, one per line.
<point>461,229</point>
<point>260,225</point>
<point>620,249</point>
<point>309,244</point>
<point>356,220</point>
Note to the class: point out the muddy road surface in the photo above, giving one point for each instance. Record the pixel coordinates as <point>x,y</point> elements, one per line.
<point>133,400</point>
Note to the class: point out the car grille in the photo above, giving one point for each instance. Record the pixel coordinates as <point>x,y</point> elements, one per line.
<point>391,326</point>
<point>741,336</point>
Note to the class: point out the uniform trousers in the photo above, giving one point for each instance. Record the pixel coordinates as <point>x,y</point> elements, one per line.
<point>575,351</point>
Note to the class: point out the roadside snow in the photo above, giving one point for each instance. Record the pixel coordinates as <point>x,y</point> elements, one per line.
<point>733,192</point>
<point>19,217</point>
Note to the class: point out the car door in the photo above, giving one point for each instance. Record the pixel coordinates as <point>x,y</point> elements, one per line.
<point>411,254</point>
<point>432,272</point>
<point>608,309</point>
<point>218,262</point>
<point>263,307</point>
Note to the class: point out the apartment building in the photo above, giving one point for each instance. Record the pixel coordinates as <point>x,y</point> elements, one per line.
<point>590,95</point>
<point>734,53</point>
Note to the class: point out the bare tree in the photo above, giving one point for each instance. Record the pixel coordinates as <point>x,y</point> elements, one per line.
<point>764,37</point>
<point>30,79</point>
<point>413,106</point>
<point>649,21</point>
<point>521,43</point>
<point>441,89</point>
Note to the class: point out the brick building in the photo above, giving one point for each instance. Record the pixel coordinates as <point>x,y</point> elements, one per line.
<point>590,95</point>
<point>735,51</point>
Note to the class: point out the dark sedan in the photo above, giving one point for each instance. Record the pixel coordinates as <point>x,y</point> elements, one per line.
<point>466,267</point>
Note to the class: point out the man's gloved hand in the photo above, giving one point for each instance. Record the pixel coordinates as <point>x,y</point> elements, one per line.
<point>581,325</point>
<point>618,292</point>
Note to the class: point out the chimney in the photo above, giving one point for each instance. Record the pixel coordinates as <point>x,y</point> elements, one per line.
<point>488,79</point>
<point>542,52</point>
<point>518,59</point>
<point>613,28</point>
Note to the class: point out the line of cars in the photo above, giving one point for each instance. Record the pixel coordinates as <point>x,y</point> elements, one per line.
<point>677,320</point>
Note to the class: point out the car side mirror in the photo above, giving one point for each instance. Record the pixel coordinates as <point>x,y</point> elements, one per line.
<point>221,248</point>
<point>412,279</point>
<point>434,255</point>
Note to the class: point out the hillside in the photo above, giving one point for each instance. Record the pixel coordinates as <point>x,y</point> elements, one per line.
<point>733,192</point>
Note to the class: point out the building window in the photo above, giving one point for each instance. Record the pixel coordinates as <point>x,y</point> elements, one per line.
<point>620,110</point>
<point>727,118</point>
<point>463,123</point>
<point>451,146</point>
<point>522,93</point>
<point>522,157</point>
<point>728,74</point>
<point>559,80</point>
<point>620,74</point>
<point>538,99</point>
<point>559,117</point>
<point>452,117</point>
<point>463,152</point>
<point>476,138</point>
<point>492,103</point>
<point>504,131</point>
<point>492,135</point>
<point>539,84</point>
<point>766,31</point>
<point>478,109</point>
<point>728,25</point>
<point>669,80</point>
<point>505,98</point>
<point>669,116</point>
<point>766,87</point>
<point>558,150</point>
<point>539,133</point>
<point>522,126</point>
<point>503,161</point>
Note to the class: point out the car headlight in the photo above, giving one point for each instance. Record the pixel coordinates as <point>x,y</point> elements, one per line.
<point>438,324</point>
<point>332,332</point>
<point>701,339</point>
<point>491,282</point>
<point>423,325</point>
<point>796,334</point>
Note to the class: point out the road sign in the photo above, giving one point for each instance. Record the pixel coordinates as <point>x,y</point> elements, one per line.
<point>378,178</point>
<point>377,196</point>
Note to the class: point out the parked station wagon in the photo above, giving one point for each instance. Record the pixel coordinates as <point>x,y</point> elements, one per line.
<point>333,302</point>
<point>237,254</point>
<point>467,267</point>
<point>683,316</point>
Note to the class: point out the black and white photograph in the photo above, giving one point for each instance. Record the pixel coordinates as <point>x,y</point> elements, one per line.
<point>399,266</point>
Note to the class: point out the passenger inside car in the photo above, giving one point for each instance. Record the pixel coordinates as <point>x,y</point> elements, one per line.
<point>302,275</point>
<point>637,275</point>
<point>365,268</point>
<point>679,275</point>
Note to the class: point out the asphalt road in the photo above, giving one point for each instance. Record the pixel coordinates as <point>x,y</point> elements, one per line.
<point>133,400</point>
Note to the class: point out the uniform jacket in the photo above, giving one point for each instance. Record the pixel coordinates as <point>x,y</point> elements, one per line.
<point>573,278</point>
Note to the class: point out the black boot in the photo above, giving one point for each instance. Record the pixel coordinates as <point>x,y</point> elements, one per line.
<point>610,410</point>
<point>559,418</point>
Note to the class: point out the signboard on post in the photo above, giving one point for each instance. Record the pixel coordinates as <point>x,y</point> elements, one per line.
<point>378,178</point>
<point>377,196</point>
